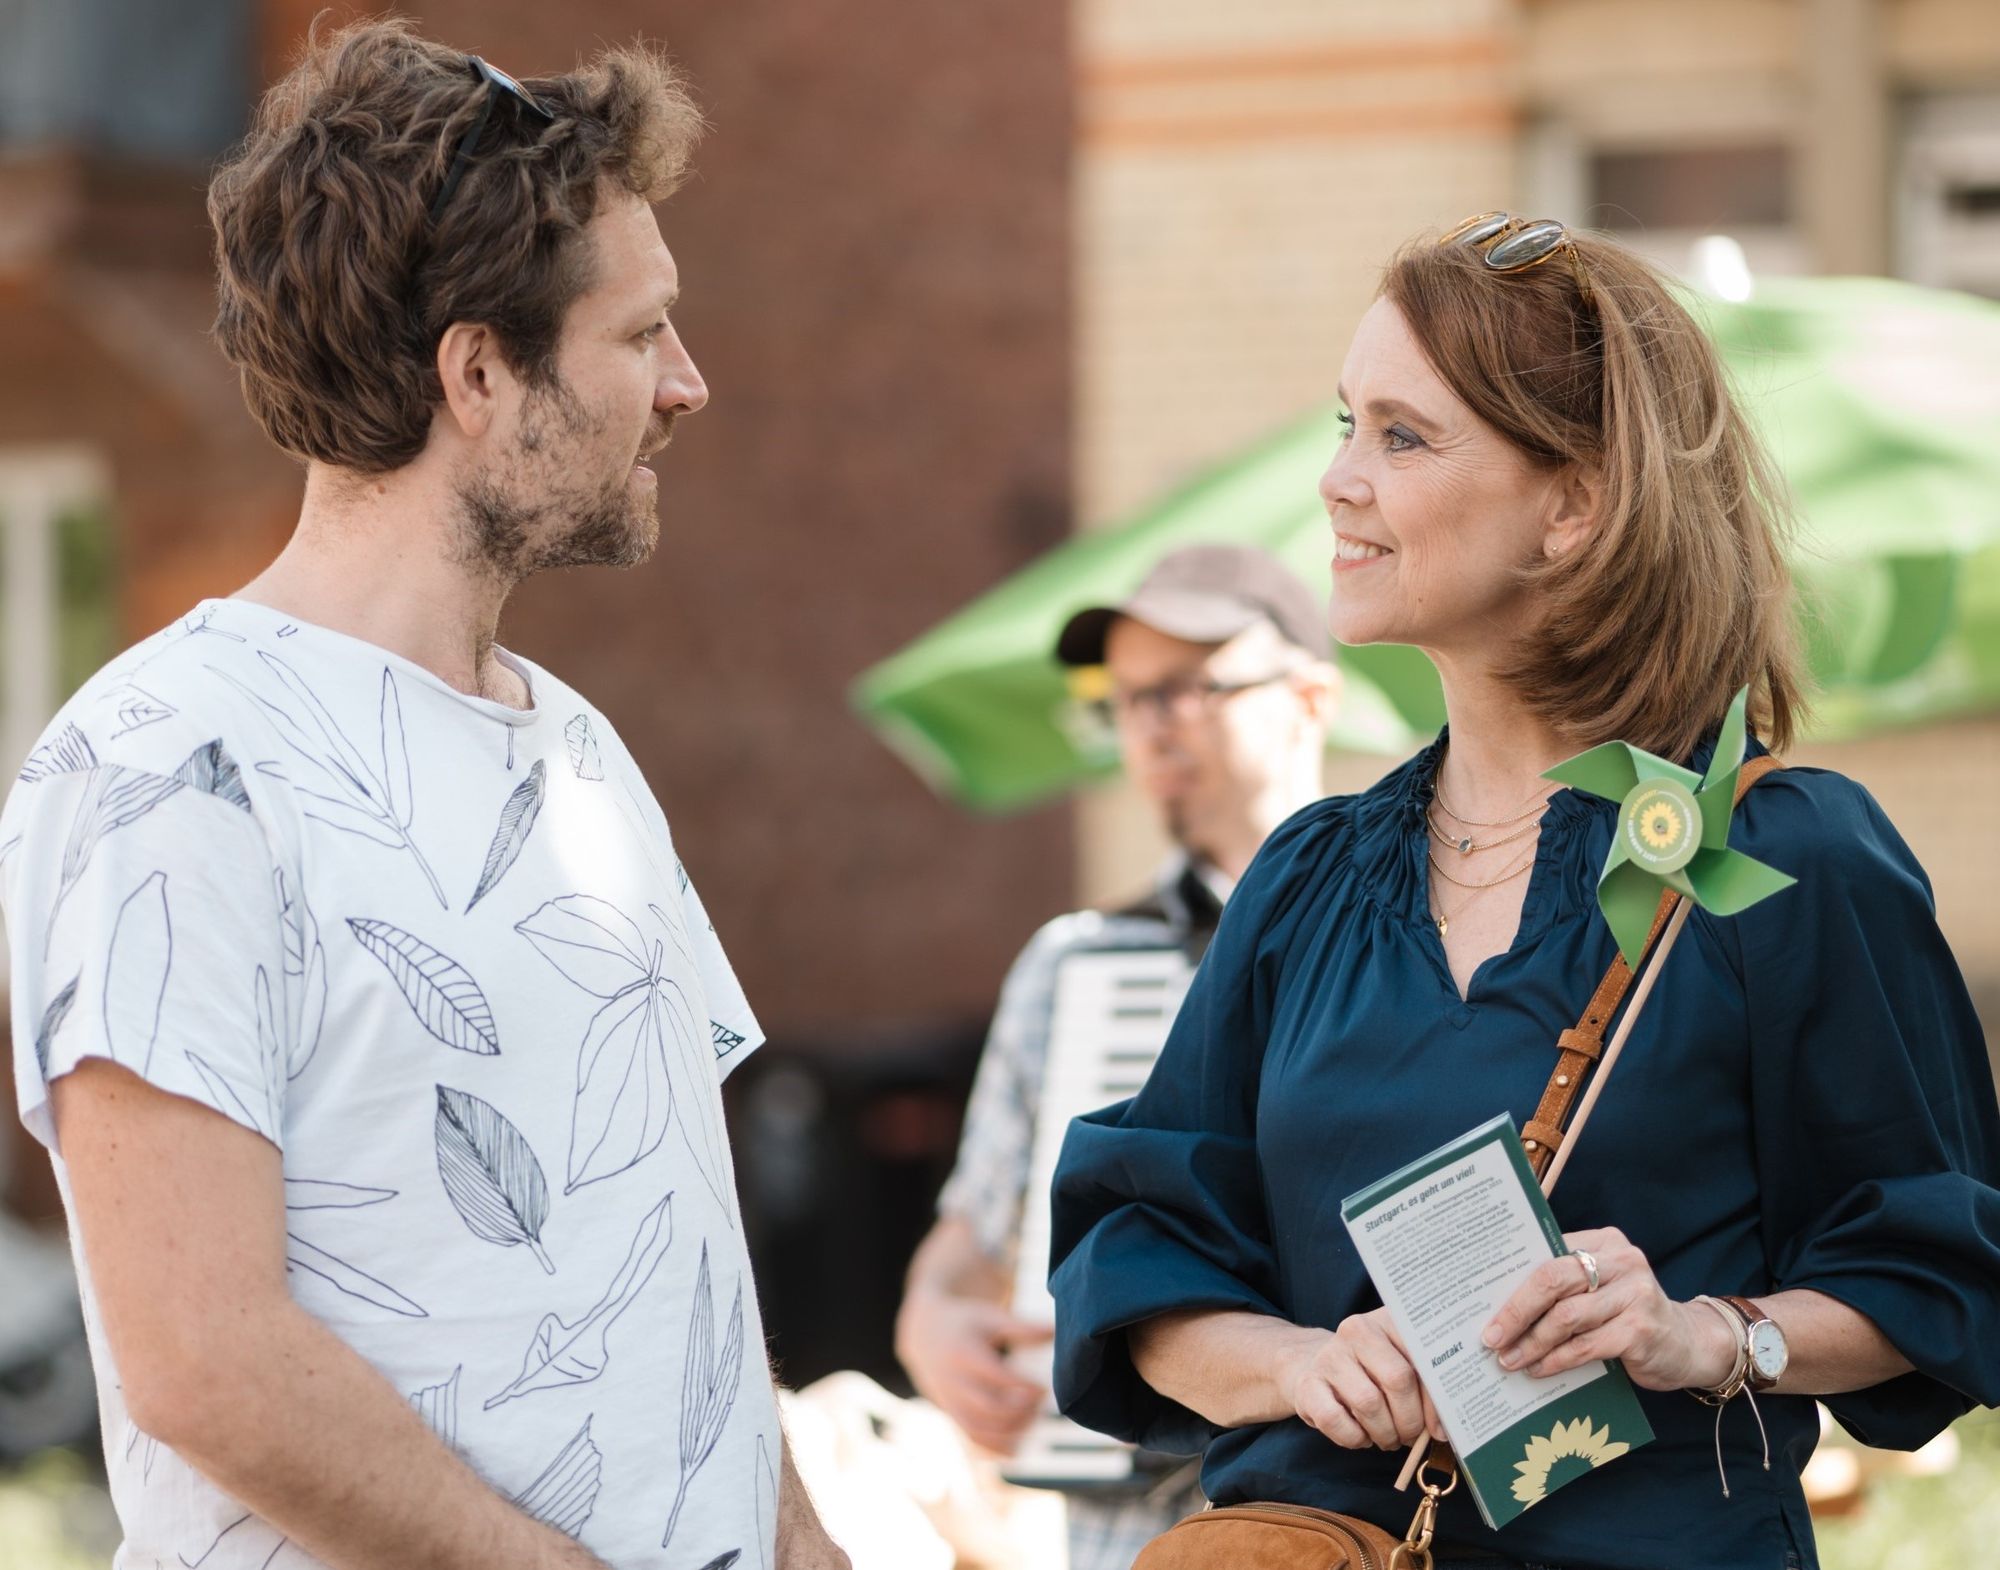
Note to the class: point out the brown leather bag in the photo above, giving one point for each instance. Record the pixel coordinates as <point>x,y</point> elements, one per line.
<point>1271,1536</point>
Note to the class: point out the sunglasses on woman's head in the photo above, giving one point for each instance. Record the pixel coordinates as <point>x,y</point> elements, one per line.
<point>1507,244</point>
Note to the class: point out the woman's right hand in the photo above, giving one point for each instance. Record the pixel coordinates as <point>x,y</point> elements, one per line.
<point>1356,1385</point>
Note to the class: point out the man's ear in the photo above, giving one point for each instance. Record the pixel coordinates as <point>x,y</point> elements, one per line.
<point>473,377</point>
<point>1319,686</point>
<point>1574,504</point>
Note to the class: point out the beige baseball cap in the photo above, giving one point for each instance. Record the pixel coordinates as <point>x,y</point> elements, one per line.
<point>1206,594</point>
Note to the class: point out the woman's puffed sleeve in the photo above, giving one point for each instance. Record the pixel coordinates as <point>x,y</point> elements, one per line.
<point>1878,1140</point>
<point>1158,1201</point>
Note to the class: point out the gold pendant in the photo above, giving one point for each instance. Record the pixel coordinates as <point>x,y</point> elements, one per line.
<point>1443,922</point>
<point>1465,846</point>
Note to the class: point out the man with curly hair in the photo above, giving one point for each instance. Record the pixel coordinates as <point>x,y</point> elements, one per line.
<point>360,994</point>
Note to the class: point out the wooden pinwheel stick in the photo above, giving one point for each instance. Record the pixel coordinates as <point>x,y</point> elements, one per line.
<point>1640,992</point>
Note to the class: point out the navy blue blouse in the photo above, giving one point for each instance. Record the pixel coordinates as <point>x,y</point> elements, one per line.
<point>1806,1102</point>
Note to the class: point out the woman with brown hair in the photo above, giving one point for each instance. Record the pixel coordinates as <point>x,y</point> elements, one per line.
<point>1546,485</point>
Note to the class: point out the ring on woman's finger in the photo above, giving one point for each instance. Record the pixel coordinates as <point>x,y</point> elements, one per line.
<point>1588,1260</point>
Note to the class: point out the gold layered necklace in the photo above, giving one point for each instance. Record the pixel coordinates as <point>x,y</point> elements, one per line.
<point>1465,844</point>
<point>1537,800</point>
<point>1442,918</point>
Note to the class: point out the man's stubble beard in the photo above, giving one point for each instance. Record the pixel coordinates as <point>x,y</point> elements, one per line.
<point>528,517</point>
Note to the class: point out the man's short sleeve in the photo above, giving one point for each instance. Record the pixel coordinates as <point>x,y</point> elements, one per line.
<point>733,1030</point>
<point>144,925</point>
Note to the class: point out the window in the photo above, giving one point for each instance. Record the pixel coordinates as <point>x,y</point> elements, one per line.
<point>1705,189</point>
<point>156,79</point>
<point>58,603</point>
<point>1948,192</point>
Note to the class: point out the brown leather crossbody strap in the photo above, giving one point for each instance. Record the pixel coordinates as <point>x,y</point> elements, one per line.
<point>1581,1045</point>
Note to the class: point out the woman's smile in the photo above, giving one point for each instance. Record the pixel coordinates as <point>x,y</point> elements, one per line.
<point>1350,552</point>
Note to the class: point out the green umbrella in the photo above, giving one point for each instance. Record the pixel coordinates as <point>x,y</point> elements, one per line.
<point>1879,400</point>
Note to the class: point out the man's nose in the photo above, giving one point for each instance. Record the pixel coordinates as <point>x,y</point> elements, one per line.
<point>681,389</point>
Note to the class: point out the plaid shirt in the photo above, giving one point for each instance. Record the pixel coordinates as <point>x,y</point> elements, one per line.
<point>988,1185</point>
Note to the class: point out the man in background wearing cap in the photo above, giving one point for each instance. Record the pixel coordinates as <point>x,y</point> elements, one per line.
<point>1221,691</point>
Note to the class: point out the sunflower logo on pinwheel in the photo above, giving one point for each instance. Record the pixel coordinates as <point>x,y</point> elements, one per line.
<point>1660,826</point>
<point>1566,1451</point>
<point>1672,832</point>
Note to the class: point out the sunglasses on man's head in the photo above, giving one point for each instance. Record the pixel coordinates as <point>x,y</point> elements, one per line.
<point>498,85</point>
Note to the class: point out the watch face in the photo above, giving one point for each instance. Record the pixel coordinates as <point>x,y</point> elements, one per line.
<point>1767,1349</point>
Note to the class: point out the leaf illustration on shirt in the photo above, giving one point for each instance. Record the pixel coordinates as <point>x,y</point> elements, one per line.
<point>68,752</point>
<point>138,708</point>
<point>305,974</point>
<point>590,941</point>
<point>260,1106</point>
<point>336,786</point>
<point>583,753</point>
<point>303,1194</point>
<point>723,1039</point>
<point>112,797</point>
<point>256,1556</point>
<point>301,1255</point>
<point>767,1502</point>
<point>517,821</point>
<point>623,1096</point>
<point>135,974</point>
<point>199,622</point>
<point>724,1560</point>
<point>566,1492</point>
<point>676,932</point>
<point>490,1173</point>
<point>271,1048</point>
<point>225,1093</point>
<point>562,1353</point>
<point>320,1194</point>
<point>396,783</point>
<point>116,796</point>
<point>52,1021</point>
<point>437,1405</point>
<point>697,1097</point>
<point>643,1058</point>
<point>439,990</point>
<point>152,1449</point>
<point>709,1385</point>
<point>210,768</point>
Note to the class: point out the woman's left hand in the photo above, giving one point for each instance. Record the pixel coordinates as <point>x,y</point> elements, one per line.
<point>1554,1322</point>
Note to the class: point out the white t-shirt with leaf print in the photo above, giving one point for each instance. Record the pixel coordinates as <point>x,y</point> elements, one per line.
<point>442,954</point>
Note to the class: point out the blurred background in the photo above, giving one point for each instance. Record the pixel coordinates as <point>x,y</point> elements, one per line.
<point>966,281</point>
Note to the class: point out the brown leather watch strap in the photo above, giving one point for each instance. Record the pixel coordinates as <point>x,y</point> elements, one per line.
<point>1753,1316</point>
<point>1580,1046</point>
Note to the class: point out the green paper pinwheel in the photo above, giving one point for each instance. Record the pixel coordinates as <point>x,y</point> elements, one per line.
<point>1673,833</point>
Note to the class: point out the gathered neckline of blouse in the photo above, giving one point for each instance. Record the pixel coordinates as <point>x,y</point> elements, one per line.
<point>1391,843</point>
